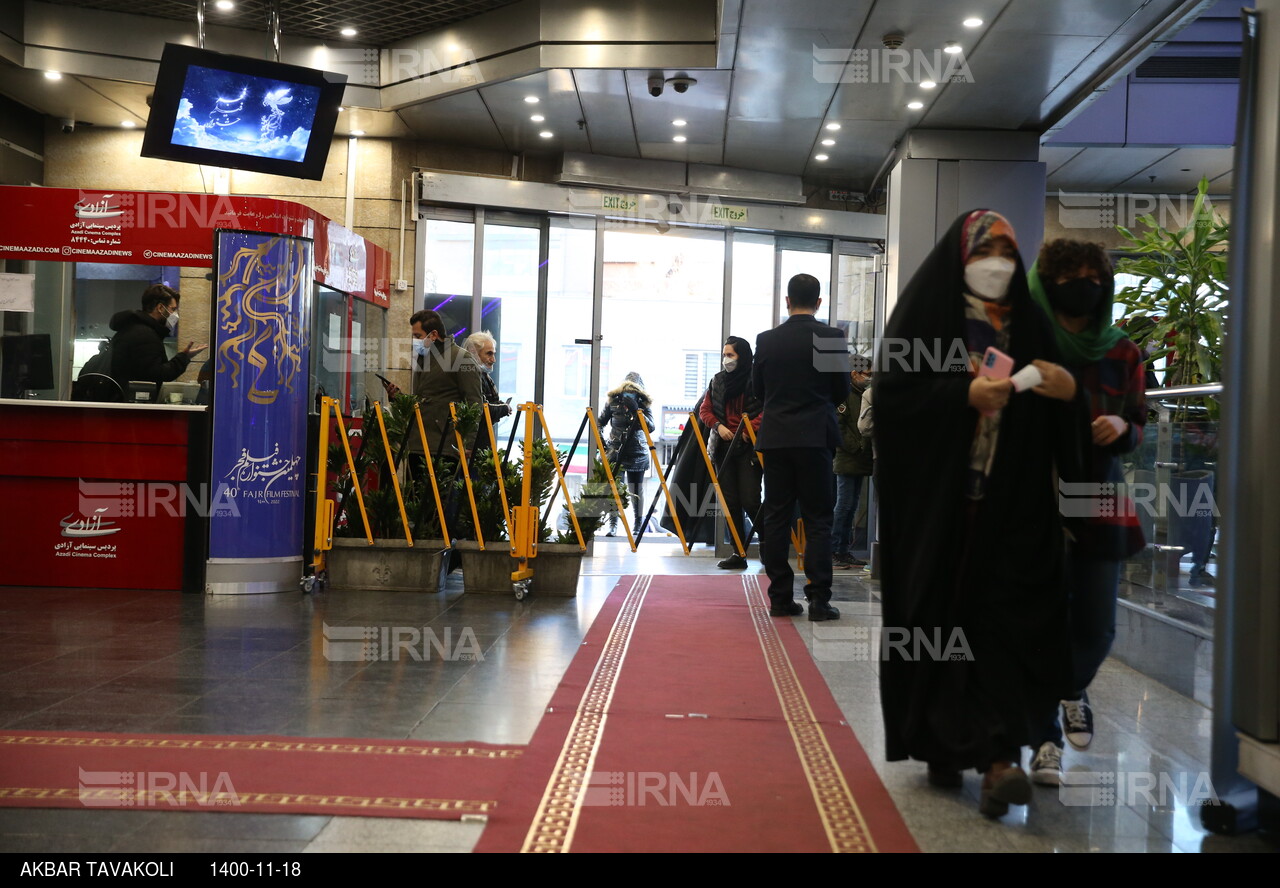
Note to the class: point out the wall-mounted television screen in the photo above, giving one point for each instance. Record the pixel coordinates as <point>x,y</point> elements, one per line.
<point>243,113</point>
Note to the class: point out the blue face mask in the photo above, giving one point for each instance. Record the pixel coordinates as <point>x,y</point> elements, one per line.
<point>419,347</point>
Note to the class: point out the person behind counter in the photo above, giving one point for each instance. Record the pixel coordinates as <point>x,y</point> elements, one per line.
<point>137,349</point>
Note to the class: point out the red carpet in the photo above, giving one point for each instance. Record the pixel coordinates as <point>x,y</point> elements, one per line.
<point>692,721</point>
<point>241,774</point>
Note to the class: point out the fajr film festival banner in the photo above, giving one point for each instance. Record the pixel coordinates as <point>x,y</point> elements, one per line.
<point>260,357</point>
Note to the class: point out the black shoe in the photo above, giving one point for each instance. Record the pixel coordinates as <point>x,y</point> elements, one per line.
<point>786,609</point>
<point>944,777</point>
<point>857,562</point>
<point>1077,723</point>
<point>733,562</point>
<point>820,612</point>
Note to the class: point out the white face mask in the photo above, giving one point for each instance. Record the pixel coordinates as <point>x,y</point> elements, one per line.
<point>729,364</point>
<point>172,321</point>
<point>989,278</point>
<point>419,346</point>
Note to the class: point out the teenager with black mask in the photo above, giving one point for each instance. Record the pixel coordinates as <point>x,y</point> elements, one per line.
<point>1073,282</point>
<point>728,399</point>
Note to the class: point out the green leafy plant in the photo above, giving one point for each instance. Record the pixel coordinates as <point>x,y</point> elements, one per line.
<point>593,505</point>
<point>484,482</point>
<point>1182,290</point>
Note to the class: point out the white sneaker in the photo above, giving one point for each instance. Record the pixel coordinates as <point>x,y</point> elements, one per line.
<point>1046,767</point>
<point>1077,723</point>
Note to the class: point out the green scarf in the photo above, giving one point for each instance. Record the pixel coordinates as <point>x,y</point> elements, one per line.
<point>1091,343</point>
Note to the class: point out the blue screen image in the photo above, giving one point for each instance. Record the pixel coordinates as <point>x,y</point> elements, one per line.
<point>243,114</point>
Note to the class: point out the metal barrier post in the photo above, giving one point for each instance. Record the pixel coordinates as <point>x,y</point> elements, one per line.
<point>395,479</point>
<point>662,481</point>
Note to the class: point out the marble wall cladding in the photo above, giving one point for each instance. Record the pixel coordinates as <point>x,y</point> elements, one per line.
<point>1177,657</point>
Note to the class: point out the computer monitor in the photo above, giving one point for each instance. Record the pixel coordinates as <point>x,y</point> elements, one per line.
<point>26,363</point>
<point>141,391</point>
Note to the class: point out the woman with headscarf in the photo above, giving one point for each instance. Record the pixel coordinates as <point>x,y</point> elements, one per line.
<point>727,401</point>
<point>1073,283</point>
<point>974,638</point>
<point>626,448</point>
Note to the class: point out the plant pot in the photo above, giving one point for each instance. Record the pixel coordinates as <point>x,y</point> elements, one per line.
<point>387,565</point>
<point>555,569</point>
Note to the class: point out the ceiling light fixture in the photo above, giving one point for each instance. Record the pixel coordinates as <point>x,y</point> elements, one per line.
<point>833,126</point>
<point>546,134</point>
<point>828,142</point>
<point>357,132</point>
<point>679,138</point>
<point>128,124</point>
<point>819,157</point>
<point>52,75</point>
<point>348,32</point>
<point>973,22</point>
<point>532,100</point>
<point>927,84</point>
<point>679,122</point>
<point>915,106</point>
<point>952,48</point>
<point>225,5</point>
<point>537,118</point>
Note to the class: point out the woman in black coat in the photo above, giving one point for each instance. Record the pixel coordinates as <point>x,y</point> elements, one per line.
<point>974,642</point>
<point>626,446</point>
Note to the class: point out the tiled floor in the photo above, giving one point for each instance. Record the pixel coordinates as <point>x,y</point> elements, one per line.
<point>144,662</point>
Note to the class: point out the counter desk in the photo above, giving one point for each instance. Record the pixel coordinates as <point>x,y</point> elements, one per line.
<point>111,496</point>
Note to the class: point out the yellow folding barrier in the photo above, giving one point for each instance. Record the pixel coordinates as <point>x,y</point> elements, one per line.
<point>323,538</point>
<point>431,472</point>
<point>466,474</point>
<point>653,457</point>
<point>395,479</point>
<point>715,482</point>
<point>613,485</point>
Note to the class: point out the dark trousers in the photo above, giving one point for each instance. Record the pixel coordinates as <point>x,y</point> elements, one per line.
<point>635,490</point>
<point>848,491</point>
<point>797,475</point>
<point>740,483</point>
<point>1092,586</point>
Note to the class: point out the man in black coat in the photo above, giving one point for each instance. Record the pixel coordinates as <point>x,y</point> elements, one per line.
<point>800,374</point>
<point>137,349</point>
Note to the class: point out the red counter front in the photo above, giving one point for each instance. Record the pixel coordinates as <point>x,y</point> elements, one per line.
<point>98,496</point>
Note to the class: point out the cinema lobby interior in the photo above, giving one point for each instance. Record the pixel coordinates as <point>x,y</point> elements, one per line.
<point>386,390</point>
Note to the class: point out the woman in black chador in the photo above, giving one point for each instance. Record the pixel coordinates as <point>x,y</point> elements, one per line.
<point>974,639</point>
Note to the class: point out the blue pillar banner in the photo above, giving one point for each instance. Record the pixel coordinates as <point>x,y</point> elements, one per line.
<point>260,361</point>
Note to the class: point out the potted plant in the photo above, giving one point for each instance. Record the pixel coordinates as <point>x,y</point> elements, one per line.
<point>1182,290</point>
<point>556,566</point>
<point>390,564</point>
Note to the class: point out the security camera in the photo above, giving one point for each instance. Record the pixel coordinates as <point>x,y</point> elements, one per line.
<point>681,84</point>
<point>68,125</point>
<point>655,85</point>
<point>674,207</point>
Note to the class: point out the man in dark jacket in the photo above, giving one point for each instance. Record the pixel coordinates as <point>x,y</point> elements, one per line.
<point>137,349</point>
<point>800,374</point>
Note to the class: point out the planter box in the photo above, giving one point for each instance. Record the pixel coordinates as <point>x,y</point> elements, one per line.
<point>555,569</point>
<point>387,565</point>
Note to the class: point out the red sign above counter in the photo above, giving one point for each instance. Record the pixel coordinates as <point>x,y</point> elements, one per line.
<point>167,228</point>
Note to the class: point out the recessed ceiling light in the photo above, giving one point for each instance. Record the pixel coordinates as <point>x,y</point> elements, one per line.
<point>828,142</point>
<point>833,126</point>
<point>532,100</point>
<point>819,157</point>
<point>679,138</point>
<point>225,5</point>
<point>537,118</point>
<point>973,22</point>
<point>927,84</point>
<point>546,134</point>
<point>915,106</point>
<point>128,124</point>
<point>952,48</point>
<point>679,122</point>
<point>52,75</point>
<point>340,108</point>
<point>348,32</point>
<point>357,132</point>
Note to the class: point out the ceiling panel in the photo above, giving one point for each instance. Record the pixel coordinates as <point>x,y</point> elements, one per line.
<point>703,107</point>
<point>1103,169</point>
<point>1181,171</point>
<point>557,102</point>
<point>607,108</point>
<point>461,118</point>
